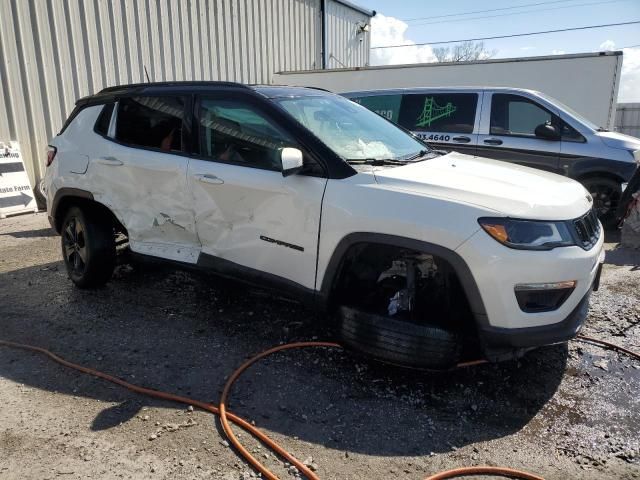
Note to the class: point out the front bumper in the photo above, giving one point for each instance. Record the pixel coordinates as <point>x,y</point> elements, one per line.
<point>500,341</point>
<point>504,329</point>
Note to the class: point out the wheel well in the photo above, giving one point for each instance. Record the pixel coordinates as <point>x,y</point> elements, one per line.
<point>426,286</point>
<point>610,176</point>
<point>65,203</point>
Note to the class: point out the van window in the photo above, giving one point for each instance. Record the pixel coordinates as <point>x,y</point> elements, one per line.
<point>387,106</point>
<point>151,122</point>
<point>439,112</point>
<point>516,115</point>
<point>233,131</point>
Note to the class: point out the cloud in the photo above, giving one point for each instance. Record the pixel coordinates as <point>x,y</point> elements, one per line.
<point>630,78</point>
<point>607,46</point>
<point>557,52</point>
<point>528,48</point>
<point>391,31</point>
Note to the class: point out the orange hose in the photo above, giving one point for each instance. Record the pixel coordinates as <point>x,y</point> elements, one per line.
<point>612,346</point>
<point>226,416</point>
<point>170,397</point>
<point>483,470</point>
<point>223,410</point>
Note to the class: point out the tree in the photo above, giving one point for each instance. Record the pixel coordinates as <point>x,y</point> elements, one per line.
<point>463,52</point>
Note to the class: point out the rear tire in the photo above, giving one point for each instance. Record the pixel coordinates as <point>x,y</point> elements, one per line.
<point>398,342</point>
<point>606,194</point>
<point>88,247</point>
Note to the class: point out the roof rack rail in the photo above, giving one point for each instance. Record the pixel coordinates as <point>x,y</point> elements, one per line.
<point>185,83</point>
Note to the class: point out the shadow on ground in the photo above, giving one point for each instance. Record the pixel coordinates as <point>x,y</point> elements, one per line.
<point>623,257</point>
<point>184,333</point>
<point>43,232</point>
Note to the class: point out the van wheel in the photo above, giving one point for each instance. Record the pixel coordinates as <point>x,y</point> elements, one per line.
<point>606,194</point>
<point>398,342</point>
<point>88,247</point>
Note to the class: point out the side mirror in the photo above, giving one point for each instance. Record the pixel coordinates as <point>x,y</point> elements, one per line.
<point>547,131</point>
<point>291,161</point>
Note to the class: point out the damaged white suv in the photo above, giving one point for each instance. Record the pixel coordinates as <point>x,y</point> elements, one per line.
<point>423,258</point>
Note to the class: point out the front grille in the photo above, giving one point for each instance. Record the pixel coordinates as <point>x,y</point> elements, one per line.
<point>587,229</point>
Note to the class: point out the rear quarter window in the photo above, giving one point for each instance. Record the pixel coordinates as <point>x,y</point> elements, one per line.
<point>104,119</point>
<point>439,112</point>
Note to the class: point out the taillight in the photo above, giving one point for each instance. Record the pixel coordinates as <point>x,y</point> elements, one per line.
<point>51,154</point>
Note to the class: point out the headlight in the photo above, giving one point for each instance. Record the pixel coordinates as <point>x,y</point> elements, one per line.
<point>636,155</point>
<point>527,234</point>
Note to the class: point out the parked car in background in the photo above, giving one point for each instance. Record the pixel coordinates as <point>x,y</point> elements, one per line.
<point>519,126</point>
<point>423,257</point>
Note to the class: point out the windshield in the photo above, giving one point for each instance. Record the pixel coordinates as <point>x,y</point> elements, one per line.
<point>586,122</point>
<point>352,131</point>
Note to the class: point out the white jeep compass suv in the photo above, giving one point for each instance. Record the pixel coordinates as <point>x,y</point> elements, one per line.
<point>423,258</point>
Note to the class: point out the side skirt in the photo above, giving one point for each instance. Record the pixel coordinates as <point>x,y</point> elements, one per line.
<point>239,273</point>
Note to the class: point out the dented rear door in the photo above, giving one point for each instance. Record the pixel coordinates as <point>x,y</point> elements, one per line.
<point>141,175</point>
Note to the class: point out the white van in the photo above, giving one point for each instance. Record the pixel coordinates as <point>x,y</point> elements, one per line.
<point>516,125</point>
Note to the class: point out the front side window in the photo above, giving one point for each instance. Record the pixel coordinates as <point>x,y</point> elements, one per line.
<point>234,131</point>
<point>516,115</point>
<point>350,130</point>
<point>151,122</point>
<point>439,112</point>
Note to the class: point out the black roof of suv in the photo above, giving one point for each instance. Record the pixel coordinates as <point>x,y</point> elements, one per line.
<point>269,91</point>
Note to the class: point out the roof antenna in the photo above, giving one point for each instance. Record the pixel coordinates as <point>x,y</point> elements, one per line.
<point>146,73</point>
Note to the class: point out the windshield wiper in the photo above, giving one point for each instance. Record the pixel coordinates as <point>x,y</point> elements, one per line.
<point>420,154</point>
<point>376,162</point>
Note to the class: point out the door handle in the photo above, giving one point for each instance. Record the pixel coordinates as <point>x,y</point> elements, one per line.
<point>493,141</point>
<point>461,139</point>
<point>112,161</point>
<point>208,178</point>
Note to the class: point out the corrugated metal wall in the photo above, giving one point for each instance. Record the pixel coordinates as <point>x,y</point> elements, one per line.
<point>55,51</point>
<point>345,46</point>
<point>628,119</point>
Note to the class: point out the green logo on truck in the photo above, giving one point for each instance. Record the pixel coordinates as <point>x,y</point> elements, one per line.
<point>432,112</point>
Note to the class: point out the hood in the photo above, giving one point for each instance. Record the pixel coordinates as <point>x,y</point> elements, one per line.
<point>507,189</point>
<point>619,140</point>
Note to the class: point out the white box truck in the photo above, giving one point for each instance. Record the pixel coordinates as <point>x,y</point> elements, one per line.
<point>586,82</point>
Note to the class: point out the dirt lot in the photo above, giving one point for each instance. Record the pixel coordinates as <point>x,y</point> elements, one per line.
<point>562,412</point>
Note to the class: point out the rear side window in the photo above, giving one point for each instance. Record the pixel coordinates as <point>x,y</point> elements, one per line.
<point>439,112</point>
<point>104,119</point>
<point>151,122</point>
<point>387,106</point>
<point>516,115</point>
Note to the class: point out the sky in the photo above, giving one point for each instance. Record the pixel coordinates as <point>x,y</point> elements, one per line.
<point>396,23</point>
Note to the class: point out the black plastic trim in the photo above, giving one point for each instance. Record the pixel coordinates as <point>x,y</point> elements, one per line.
<point>65,192</point>
<point>257,278</point>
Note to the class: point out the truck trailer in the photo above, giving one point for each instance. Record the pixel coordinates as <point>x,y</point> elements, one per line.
<point>586,82</point>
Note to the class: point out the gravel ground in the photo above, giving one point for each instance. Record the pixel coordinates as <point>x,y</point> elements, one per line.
<point>567,411</point>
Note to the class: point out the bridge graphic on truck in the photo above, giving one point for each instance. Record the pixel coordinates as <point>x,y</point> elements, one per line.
<point>432,112</point>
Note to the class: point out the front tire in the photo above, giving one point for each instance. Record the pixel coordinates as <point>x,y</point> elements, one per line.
<point>398,342</point>
<point>88,247</point>
<point>606,194</point>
